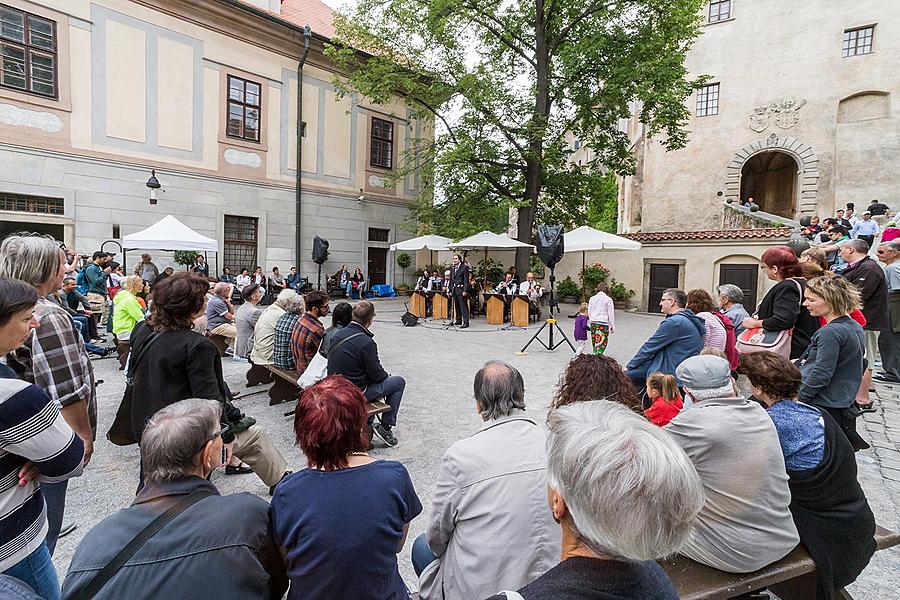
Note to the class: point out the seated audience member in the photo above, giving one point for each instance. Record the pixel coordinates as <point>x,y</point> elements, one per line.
<point>277,281</point>
<point>341,522</point>
<point>357,283</point>
<point>701,303</point>
<point>201,267</point>
<point>342,279</point>
<point>264,331</point>
<point>36,442</point>
<point>307,335</point>
<point>242,280</point>
<point>227,277</point>
<point>282,355</point>
<point>730,299</point>
<point>357,360</point>
<point>294,281</point>
<point>79,308</point>
<point>832,365</point>
<point>679,336</point>
<point>612,532</point>
<point>834,520</point>
<point>745,523</point>
<point>183,364</point>
<point>667,401</point>
<point>489,528</point>
<point>215,546</point>
<point>595,377</point>
<point>220,313</point>
<point>341,316</point>
<point>245,319</point>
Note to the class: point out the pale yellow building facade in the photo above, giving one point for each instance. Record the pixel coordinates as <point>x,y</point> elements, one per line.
<point>96,93</point>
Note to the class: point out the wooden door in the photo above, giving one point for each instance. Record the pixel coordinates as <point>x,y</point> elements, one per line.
<point>745,277</point>
<point>377,266</point>
<point>662,277</point>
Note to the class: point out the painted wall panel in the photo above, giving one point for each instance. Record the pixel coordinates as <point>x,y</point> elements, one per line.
<point>126,82</point>
<point>176,95</point>
<point>337,136</point>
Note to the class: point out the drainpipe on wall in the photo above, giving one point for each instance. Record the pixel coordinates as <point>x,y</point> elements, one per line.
<point>307,33</point>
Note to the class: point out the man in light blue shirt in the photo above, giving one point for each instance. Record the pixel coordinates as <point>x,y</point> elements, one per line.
<point>865,229</point>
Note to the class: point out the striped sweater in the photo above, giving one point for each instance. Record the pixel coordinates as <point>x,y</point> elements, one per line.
<point>31,428</point>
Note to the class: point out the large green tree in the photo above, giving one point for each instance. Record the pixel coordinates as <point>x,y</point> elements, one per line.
<point>508,84</point>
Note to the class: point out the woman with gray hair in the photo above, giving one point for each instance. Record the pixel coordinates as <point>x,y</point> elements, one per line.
<point>54,357</point>
<point>222,546</point>
<point>624,495</point>
<point>730,299</point>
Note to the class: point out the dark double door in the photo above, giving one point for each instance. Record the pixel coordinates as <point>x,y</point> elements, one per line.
<point>377,266</point>
<point>662,277</point>
<point>745,277</point>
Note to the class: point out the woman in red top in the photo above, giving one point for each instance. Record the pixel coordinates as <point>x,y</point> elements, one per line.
<point>666,400</point>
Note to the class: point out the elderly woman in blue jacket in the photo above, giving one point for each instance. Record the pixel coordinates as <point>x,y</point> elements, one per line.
<point>678,337</point>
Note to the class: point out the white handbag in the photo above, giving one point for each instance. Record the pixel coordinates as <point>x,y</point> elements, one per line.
<point>315,371</point>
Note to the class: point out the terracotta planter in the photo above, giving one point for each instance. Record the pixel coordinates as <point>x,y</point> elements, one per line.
<point>569,299</point>
<point>619,304</point>
<point>404,292</point>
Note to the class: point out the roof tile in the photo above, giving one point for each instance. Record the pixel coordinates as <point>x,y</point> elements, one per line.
<point>734,234</point>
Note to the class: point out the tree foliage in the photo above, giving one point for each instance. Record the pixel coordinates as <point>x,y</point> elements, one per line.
<point>507,85</point>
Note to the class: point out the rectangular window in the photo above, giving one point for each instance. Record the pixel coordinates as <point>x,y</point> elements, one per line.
<point>240,243</point>
<point>244,101</point>
<point>382,144</point>
<point>719,10</point>
<point>32,204</point>
<point>708,100</point>
<point>858,41</point>
<point>28,52</point>
<point>378,235</point>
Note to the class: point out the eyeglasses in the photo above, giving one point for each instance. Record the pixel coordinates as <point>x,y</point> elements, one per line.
<point>226,429</point>
<point>666,300</point>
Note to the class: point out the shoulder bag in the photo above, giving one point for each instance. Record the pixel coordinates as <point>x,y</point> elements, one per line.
<point>760,340</point>
<point>317,369</point>
<point>121,432</point>
<point>119,560</point>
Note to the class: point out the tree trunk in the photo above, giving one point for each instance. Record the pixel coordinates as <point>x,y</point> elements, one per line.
<point>533,174</point>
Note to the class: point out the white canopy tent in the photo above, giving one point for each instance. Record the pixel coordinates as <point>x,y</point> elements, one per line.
<point>169,234</point>
<point>587,238</point>
<point>489,241</point>
<point>433,243</point>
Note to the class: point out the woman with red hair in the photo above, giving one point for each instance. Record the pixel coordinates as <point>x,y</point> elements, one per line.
<point>782,307</point>
<point>341,522</point>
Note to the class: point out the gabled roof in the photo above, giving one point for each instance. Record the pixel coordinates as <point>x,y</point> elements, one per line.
<point>315,13</point>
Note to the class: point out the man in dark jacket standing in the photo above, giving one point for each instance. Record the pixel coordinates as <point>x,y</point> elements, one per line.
<point>678,337</point>
<point>869,278</point>
<point>354,354</point>
<point>459,279</point>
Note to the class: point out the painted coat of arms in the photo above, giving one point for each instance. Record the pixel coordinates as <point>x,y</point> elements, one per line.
<point>785,113</point>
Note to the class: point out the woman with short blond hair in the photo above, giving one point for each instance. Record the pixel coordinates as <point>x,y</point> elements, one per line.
<point>127,313</point>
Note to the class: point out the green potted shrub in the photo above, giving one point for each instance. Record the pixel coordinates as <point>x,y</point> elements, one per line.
<point>567,290</point>
<point>403,261</point>
<point>185,257</point>
<point>619,293</point>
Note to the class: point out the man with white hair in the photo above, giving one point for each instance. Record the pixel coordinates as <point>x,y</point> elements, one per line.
<point>731,298</point>
<point>489,528</point>
<point>745,523</point>
<point>624,495</point>
<point>223,546</point>
<point>220,313</point>
<point>264,331</point>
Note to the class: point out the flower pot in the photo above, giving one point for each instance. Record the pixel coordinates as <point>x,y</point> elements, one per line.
<point>619,304</point>
<point>569,299</point>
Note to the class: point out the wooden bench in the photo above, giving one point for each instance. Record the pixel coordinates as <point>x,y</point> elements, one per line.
<point>285,388</point>
<point>791,578</point>
<point>220,341</point>
<point>376,407</point>
<point>258,374</point>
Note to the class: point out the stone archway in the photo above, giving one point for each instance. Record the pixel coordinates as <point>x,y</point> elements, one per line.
<point>770,179</point>
<point>807,185</point>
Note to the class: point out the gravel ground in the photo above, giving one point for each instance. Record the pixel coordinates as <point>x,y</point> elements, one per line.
<point>438,409</point>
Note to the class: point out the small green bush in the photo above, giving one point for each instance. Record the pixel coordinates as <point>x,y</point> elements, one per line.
<point>185,257</point>
<point>618,291</point>
<point>567,287</point>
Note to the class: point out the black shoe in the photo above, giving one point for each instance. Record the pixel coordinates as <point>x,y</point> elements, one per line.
<point>464,325</point>
<point>238,470</point>
<point>67,529</point>
<point>458,323</point>
<point>885,377</point>
<point>384,434</point>
<point>272,489</point>
<point>867,408</point>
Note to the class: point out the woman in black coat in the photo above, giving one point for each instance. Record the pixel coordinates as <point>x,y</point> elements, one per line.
<point>782,307</point>
<point>179,363</point>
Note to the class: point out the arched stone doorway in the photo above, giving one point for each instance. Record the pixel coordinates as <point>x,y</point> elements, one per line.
<point>770,178</point>
<point>806,188</point>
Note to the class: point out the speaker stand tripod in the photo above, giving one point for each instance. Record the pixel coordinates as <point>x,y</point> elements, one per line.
<point>552,345</point>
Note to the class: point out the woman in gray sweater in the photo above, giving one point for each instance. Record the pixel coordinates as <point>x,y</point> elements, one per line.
<point>832,365</point>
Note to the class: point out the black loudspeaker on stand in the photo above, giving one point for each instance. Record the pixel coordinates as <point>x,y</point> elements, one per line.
<point>550,249</point>
<point>320,255</point>
<point>409,319</point>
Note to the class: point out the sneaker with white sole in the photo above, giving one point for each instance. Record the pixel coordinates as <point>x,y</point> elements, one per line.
<point>383,433</point>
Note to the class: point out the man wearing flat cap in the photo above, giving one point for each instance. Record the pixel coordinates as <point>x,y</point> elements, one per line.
<point>745,523</point>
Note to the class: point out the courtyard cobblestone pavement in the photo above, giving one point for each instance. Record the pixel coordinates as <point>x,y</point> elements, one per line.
<point>437,410</point>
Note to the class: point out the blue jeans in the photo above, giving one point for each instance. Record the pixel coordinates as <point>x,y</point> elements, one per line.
<point>392,390</point>
<point>38,572</point>
<point>55,499</point>
<point>82,323</point>
<point>421,555</point>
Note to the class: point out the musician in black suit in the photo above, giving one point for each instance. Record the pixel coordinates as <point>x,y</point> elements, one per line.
<point>459,280</point>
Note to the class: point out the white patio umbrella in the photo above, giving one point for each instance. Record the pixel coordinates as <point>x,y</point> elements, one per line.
<point>587,238</point>
<point>424,242</point>
<point>489,241</point>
